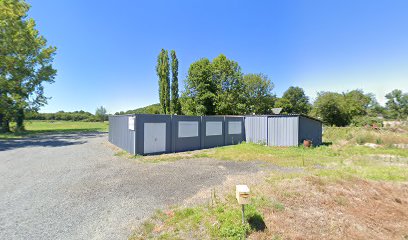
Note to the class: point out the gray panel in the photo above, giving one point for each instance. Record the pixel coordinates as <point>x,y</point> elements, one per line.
<point>186,143</point>
<point>310,129</point>
<point>141,119</point>
<point>234,138</point>
<point>214,140</point>
<point>154,137</point>
<point>256,129</point>
<point>283,131</point>
<point>213,128</point>
<point>188,129</point>
<point>119,133</point>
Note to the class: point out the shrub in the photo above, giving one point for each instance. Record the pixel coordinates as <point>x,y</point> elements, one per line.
<point>361,121</point>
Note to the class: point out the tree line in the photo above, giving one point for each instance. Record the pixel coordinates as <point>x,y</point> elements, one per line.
<point>100,115</point>
<point>219,87</point>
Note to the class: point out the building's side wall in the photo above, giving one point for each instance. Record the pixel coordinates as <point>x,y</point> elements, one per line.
<point>283,131</point>
<point>256,129</point>
<point>119,133</point>
<point>231,135</point>
<point>186,132</point>
<point>310,129</point>
<point>210,137</point>
<point>140,125</point>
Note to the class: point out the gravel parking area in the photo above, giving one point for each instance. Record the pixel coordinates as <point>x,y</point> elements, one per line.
<point>71,186</point>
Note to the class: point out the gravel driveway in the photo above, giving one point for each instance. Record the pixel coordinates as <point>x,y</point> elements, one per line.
<point>71,186</point>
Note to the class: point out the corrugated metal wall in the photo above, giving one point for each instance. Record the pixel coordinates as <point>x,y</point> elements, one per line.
<point>310,129</point>
<point>256,129</point>
<point>283,131</point>
<point>119,133</point>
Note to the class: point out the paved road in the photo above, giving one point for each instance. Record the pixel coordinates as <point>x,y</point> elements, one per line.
<point>70,186</point>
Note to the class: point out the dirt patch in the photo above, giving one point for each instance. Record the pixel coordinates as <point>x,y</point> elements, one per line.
<point>354,209</point>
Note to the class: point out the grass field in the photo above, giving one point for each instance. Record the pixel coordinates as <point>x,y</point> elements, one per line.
<point>40,127</point>
<point>346,190</point>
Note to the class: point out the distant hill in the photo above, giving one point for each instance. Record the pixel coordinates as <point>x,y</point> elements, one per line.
<point>151,109</point>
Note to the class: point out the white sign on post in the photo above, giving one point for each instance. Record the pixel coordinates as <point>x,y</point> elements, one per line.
<point>131,122</point>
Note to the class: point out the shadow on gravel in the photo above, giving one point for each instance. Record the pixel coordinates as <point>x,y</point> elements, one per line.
<point>48,140</point>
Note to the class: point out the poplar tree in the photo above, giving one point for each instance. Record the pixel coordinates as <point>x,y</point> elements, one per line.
<point>163,72</point>
<point>175,104</point>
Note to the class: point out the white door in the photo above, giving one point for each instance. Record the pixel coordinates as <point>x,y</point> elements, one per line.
<point>154,137</point>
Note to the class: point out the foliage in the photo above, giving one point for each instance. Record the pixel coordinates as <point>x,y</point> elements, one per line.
<point>200,90</point>
<point>294,100</point>
<point>61,115</point>
<point>101,114</point>
<point>339,109</point>
<point>25,64</point>
<point>175,103</point>
<point>227,78</point>
<point>361,121</point>
<point>151,109</point>
<point>258,93</point>
<point>163,72</point>
<point>397,104</point>
<point>331,108</point>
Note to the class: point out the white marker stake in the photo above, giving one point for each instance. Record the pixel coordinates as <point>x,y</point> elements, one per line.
<point>242,195</point>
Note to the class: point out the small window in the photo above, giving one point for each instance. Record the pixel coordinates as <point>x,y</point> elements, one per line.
<point>187,129</point>
<point>213,128</point>
<point>234,127</point>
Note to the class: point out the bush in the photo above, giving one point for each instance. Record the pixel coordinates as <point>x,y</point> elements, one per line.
<point>361,121</point>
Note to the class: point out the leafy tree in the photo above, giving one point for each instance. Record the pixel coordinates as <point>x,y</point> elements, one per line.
<point>163,72</point>
<point>101,114</point>
<point>200,90</point>
<point>25,64</point>
<point>331,108</point>
<point>294,100</point>
<point>227,77</point>
<point>357,102</point>
<point>397,104</point>
<point>258,93</point>
<point>175,103</point>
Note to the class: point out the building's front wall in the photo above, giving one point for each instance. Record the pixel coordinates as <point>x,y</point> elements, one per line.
<point>283,131</point>
<point>310,129</point>
<point>212,131</point>
<point>120,134</point>
<point>256,129</point>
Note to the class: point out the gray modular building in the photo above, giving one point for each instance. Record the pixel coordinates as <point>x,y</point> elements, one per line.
<point>283,130</point>
<point>154,134</point>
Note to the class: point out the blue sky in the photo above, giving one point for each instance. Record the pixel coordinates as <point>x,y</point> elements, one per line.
<point>107,49</point>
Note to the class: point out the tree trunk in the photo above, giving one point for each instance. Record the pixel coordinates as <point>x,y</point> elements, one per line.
<point>4,124</point>
<point>20,120</point>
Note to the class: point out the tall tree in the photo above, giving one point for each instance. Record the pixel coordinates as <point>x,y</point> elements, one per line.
<point>397,104</point>
<point>294,100</point>
<point>331,108</point>
<point>200,90</point>
<point>101,114</point>
<point>227,76</point>
<point>25,64</point>
<point>175,103</point>
<point>163,72</point>
<point>258,94</point>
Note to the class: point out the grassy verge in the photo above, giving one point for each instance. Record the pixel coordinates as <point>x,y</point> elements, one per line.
<point>40,127</point>
<point>332,197</point>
